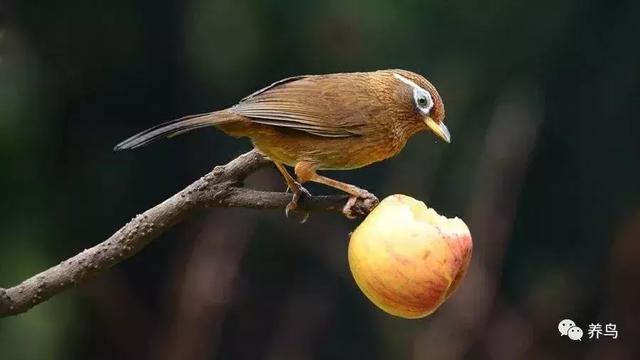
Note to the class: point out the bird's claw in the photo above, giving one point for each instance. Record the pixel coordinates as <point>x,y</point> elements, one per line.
<point>298,193</point>
<point>369,201</point>
<point>347,210</point>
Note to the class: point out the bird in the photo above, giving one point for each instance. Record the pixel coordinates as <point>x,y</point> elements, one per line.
<point>339,121</point>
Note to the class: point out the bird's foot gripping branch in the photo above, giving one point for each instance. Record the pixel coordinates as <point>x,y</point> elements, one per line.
<point>352,209</point>
<point>222,187</point>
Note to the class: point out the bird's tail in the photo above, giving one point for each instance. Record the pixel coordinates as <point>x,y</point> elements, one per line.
<point>176,127</point>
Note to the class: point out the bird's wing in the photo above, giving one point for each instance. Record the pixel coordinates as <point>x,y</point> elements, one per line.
<point>335,105</point>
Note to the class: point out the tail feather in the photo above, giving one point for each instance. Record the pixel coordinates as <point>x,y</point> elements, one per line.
<point>173,128</point>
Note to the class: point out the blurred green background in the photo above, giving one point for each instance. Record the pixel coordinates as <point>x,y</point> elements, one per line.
<point>542,102</point>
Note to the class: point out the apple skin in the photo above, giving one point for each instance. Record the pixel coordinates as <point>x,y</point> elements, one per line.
<point>406,258</point>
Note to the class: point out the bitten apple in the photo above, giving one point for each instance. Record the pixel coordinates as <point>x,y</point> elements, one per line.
<point>406,258</point>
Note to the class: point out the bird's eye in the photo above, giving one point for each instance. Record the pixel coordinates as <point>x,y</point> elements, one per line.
<point>423,100</point>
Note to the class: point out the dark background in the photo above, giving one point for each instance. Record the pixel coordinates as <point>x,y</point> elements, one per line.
<point>542,102</point>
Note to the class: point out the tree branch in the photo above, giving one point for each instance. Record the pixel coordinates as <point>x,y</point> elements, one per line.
<point>222,187</point>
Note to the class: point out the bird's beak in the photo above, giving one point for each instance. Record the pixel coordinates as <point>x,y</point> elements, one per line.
<point>439,129</point>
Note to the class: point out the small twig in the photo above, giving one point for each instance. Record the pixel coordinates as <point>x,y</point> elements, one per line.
<point>222,187</point>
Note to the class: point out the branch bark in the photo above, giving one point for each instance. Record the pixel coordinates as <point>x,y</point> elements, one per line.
<point>222,187</point>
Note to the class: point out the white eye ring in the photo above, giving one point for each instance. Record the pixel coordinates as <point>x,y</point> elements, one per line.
<point>421,97</point>
<point>423,100</point>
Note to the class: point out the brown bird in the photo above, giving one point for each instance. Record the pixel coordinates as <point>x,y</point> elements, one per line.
<point>323,122</point>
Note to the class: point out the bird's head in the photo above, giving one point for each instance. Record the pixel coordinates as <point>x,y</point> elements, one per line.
<point>422,102</point>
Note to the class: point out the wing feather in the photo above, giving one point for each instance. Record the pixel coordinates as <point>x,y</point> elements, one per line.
<point>325,105</point>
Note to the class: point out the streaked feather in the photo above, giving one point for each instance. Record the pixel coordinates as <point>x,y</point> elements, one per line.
<point>315,104</point>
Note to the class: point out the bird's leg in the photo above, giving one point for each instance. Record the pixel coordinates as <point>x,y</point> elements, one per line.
<point>306,172</point>
<point>295,187</point>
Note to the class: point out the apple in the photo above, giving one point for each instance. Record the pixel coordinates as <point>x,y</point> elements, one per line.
<point>406,258</point>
